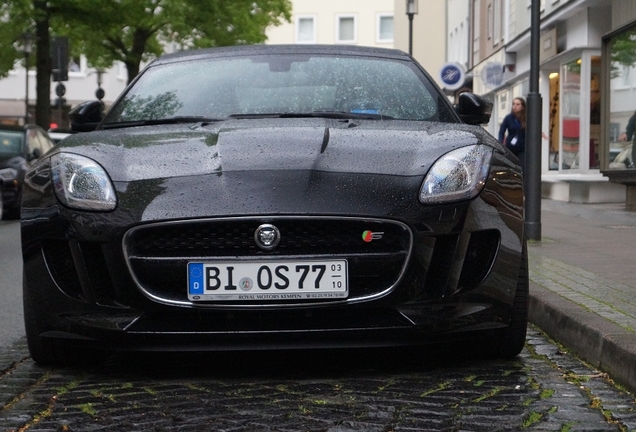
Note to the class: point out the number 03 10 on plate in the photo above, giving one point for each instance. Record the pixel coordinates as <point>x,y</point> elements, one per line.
<point>267,280</point>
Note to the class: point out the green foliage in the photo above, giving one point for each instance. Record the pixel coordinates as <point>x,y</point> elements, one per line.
<point>153,107</point>
<point>135,31</point>
<point>623,52</point>
<point>15,20</point>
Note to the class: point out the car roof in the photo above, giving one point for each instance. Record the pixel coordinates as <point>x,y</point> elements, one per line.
<point>246,50</point>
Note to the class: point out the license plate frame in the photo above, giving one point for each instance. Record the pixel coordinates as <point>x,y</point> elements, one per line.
<point>267,280</point>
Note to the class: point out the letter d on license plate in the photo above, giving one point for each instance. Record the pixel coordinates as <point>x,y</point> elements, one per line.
<point>267,280</point>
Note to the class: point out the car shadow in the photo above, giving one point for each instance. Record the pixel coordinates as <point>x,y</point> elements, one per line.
<point>288,364</point>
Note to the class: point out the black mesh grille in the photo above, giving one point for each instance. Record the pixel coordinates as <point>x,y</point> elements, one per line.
<point>232,238</point>
<point>158,254</point>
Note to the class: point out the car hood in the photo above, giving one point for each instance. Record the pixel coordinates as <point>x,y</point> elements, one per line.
<point>369,147</point>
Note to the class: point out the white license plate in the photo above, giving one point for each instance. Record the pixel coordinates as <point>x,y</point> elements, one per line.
<point>267,280</point>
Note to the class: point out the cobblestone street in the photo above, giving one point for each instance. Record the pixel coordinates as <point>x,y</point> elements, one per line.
<point>543,389</point>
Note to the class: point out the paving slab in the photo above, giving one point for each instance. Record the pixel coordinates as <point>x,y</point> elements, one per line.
<point>583,290</point>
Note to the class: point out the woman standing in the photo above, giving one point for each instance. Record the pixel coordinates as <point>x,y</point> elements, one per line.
<point>512,132</point>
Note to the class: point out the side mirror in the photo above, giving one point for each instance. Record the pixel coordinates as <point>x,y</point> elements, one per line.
<point>473,109</point>
<point>86,116</point>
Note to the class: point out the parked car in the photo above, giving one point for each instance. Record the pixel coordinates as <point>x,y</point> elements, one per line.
<point>267,197</point>
<point>20,146</point>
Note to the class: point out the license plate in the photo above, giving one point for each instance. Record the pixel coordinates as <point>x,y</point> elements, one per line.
<point>267,280</point>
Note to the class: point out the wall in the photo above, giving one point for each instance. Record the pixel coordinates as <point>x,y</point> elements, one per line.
<point>458,32</point>
<point>623,12</point>
<point>326,12</point>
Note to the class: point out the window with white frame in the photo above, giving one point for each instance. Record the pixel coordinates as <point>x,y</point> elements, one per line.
<point>306,29</point>
<point>490,22</point>
<point>497,16</point>
<point>385,28</point>
<point>346,29</point>
<point>77,65</point>
<point>476,22</point>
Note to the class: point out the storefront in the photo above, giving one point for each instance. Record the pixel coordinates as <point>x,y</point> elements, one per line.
<point>572,105</point>
<point>619,108</point>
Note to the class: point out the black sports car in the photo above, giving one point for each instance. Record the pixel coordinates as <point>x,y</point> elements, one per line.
<point>267,197</point>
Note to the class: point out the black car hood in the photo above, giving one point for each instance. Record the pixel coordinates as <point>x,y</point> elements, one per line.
<point>353,146</point>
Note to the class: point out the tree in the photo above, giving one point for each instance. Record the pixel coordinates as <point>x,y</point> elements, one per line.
<point>130,31</point>
<point>135,31</point>
<point>623,52</point>
<point>19,17</point>
<point>15,21</point>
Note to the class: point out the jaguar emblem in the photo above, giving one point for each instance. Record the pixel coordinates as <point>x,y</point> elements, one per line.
<point>267,236</point>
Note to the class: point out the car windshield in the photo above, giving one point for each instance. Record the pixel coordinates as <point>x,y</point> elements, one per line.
<point>11,142</point>
<point>281,85</point>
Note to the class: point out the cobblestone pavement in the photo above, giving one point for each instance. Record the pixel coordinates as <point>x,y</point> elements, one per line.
<point>544,389</point>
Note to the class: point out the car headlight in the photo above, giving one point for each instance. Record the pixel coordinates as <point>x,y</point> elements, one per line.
<point>458,175</point>
<point>82,183</point>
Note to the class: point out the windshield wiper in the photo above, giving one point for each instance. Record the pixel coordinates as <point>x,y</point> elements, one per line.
<point>320,114</point>
<point>168,120</point>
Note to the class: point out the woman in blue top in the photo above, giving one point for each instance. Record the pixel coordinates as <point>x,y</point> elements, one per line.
<point>512,132</point>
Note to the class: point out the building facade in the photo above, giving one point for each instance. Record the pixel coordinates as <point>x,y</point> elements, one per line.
<point>354,22</point>
<point>587,81</point>
<point>83,82</point>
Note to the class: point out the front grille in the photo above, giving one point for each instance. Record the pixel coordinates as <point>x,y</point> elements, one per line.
<point>236,238</point>
<point>158,253</point>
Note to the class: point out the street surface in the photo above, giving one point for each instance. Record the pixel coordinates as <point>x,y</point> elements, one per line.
<point>11,322</point>
<point>544,388</point>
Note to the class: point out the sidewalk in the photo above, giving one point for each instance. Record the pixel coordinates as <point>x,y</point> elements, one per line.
<point>583,284</point>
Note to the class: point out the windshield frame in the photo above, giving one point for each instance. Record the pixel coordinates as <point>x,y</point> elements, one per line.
<point>443,110</point>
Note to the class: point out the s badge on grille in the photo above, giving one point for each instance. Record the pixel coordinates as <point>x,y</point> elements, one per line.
<point>267,236</point>
<point>369,236</point>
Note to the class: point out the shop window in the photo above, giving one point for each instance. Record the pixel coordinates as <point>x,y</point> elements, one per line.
<point>595,111</point>
<point>554,127</point>
<point>570,114</point>
<point>621,151</point>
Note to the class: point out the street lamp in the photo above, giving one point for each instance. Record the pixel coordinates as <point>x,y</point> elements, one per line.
<point>411,9</point>
<point>27,45</point>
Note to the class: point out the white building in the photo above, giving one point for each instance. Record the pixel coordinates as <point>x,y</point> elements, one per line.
<point>379,23</point>
<point>582,132</point>
<point>352,22</point>
<point>81,86</point>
